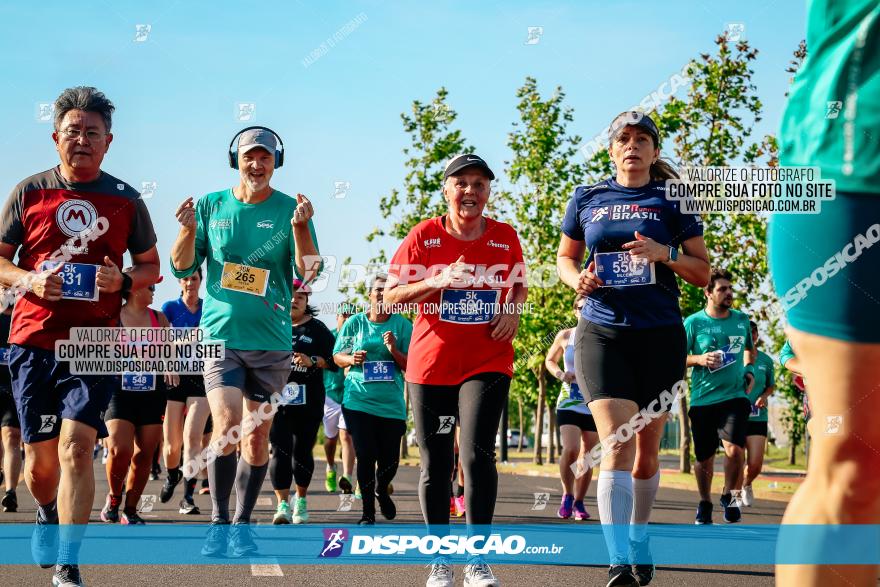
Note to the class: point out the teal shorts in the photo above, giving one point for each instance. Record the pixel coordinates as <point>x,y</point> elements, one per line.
<point>826,268</point>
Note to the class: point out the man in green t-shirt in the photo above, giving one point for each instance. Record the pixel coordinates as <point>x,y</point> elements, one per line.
<point>334,424</point>
<point>719,347</point>
<point>756,432</point>
<point>252,238</point>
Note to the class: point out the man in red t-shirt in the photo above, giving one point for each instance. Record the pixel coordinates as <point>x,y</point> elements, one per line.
<point>466,271</point>
<point>81,221</point>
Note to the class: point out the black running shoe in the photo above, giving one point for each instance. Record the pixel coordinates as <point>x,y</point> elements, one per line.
<point>242,541</point>
<point>643,562</point>
<point>67,576</point>
<point>345,484</point>
<point>704,513</point>
<point>110,513</point>
<point>732,513</point>
<point>621,576</point>
<point>367,520</point>
<point>10,502</point>
<point>386,506</point>
<point>155,472</point>
<point>217,540</point>
<point>44,542</point>
<point>188,506</point>
<point>131,518</point>
<point>167,490</point>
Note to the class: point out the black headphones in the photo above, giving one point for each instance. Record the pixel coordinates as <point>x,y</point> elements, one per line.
<point>233,154</point>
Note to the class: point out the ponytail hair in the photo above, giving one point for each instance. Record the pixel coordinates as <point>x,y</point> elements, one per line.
<point>662,169</point>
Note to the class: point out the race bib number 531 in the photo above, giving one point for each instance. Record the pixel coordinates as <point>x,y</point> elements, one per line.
<point>244,278</point>
<point>77,280</point>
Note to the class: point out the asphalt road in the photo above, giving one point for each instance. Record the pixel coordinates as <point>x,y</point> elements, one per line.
<point>514,506</point>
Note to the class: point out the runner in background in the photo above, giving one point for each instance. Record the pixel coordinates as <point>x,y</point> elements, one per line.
<point>630,346</point>
<point>576,424</point>
<point>373,347</point>
<point>720,346</point>
<point>457,505</point>
<point>10,429</point>
<point>756,433</point>
<point>300,409</point>
<point>96,218</point>
<point>134,418</point>
<point>462,351</point>
<point>187,411</point>
<point>334,423</point>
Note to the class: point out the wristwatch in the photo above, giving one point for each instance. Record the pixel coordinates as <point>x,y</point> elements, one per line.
<point>673,255</point>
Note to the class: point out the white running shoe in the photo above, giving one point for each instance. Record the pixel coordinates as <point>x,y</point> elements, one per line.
<point>300,511</point>
<point>748,497</point>
<point>441,573</point>
<point>478,574</point>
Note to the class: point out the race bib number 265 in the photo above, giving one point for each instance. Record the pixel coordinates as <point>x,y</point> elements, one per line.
<point>244,278</point>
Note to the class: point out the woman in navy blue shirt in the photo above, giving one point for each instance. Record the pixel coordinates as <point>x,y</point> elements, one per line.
<point>630,343</point>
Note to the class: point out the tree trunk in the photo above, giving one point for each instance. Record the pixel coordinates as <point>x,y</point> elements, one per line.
<point>522,426</point>
<point>792,453</point>
<point>404,450</point>
<point>539,417</point>
<point>684,445</point>
<point>551,437</point>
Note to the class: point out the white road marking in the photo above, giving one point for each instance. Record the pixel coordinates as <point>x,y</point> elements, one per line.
<point>266,568</point>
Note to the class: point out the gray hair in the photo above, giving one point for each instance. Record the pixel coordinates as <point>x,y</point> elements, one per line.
<point>85,98</point>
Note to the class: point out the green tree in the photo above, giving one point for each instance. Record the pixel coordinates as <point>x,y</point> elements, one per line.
<point>544,171</point>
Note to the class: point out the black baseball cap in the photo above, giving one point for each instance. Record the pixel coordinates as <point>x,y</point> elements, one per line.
<point>634,118</point>
<point>460,162</point>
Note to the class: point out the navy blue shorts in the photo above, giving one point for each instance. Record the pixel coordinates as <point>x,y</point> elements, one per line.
<point>46,393</point>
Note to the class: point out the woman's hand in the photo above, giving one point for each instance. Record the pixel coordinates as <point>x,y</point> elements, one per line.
<point>588,281</point>
<point>647,248</point>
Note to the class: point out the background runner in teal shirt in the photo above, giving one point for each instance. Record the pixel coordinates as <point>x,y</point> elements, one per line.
<point>763,372</point>
<point>706,334</point>
<point>380,398</point>
<point>717,338</point>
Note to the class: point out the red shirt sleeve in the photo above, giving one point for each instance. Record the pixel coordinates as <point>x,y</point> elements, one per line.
<point>407,259</point>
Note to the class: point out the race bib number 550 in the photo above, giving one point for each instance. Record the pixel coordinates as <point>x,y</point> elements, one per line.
<point>244,278</point>
<point>621,269</point>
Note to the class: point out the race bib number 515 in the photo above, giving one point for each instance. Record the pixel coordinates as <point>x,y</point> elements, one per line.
<point>244,278</point>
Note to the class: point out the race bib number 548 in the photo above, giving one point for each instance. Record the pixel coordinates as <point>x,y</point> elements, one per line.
<point>244,278</point>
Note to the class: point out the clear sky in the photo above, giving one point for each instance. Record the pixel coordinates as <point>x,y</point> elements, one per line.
<point>177,87</point>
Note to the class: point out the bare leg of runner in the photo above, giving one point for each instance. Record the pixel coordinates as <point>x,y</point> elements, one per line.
<point>843,483</point>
